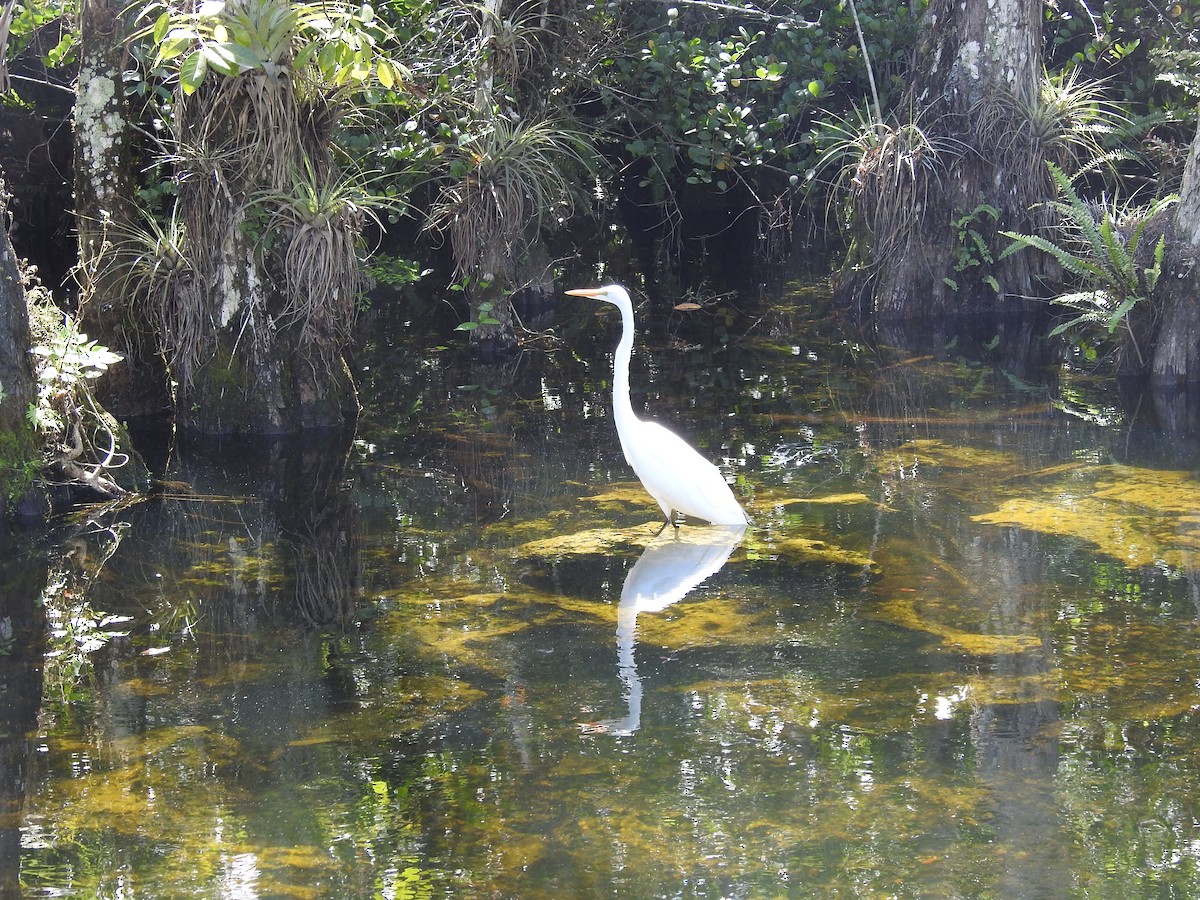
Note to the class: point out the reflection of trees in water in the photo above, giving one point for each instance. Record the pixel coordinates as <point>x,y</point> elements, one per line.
<point>1177,411</point>
<point>981,588</point>
<point>318,533</point>
<point>245,531</point>
<point>976,584</point>
<point>514,455</point>
<point>256,546</point>
<point>284,545</point>
<point>22,643</point>
<point>943,375</point>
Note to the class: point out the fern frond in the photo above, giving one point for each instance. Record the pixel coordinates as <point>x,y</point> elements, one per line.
<point>1076,265</point>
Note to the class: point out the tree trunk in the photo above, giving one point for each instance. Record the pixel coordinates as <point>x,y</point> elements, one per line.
<point>1176,357</point>
<point>251,376</point>
<point>523,281</point>
<point>937,189</point>
<point>106,215</point>
<point>256,329</point>
<point>20,460</point>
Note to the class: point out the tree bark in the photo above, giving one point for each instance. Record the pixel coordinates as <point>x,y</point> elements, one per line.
<point>256,331</point>
<point>20,460</point>
<point>106,216</point>
<point>946,182</point>
<point>1176,357</point>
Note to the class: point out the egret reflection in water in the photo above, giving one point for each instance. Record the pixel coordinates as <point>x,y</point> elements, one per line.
<point>670,567</point>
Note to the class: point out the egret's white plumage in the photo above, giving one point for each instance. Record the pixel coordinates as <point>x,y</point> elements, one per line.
<point>674,474</point>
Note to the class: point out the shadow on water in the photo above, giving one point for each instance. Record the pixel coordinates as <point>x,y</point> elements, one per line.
<point>270,521</point>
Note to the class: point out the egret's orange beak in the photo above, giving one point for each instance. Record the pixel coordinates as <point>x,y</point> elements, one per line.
<point>584,292</point>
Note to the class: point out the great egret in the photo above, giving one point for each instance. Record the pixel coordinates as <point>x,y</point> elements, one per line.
<point>674,474</point>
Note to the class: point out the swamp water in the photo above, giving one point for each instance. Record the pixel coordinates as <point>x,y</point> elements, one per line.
<point>955,654</point>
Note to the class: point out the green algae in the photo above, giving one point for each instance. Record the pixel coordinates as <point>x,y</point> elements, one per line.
<point>882,693</point>
<point>718,622</point>
<point>850,498</point>
<point>1141,517</point>
<point>951,457</point>
<point>798,550</point>
<point>905,612</point>
<point>590,541</point>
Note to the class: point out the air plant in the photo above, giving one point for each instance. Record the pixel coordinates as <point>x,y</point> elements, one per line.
<point>1069,121</point>
<point>883,169</point>
<point>317,226</point>
<point>502,185</point>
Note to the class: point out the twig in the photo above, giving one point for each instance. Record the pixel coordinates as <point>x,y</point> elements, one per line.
<point>870,69</point>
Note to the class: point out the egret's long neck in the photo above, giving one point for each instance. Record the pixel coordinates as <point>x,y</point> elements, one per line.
<point>622,407</point>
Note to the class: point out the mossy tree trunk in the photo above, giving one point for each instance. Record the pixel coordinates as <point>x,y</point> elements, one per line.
<point>252,375</point>
<point>256,331</point>
<point>1176,355</point>
<point>106,213</point>
<point>20,459</point>
<point>941,185</point>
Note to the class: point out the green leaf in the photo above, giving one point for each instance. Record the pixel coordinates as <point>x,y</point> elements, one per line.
<point>191,72</point>
<point>1155,271</point>
<point>385,73</point>
<point>1073,264</point>
<point>234,57</point>
<point>161,26</point>
<point>1066,326</point>
<point>1120,312</point>
<point>62,51</point>
<point>177,42</point>
<point>467,326</point>
<point>304,56</point>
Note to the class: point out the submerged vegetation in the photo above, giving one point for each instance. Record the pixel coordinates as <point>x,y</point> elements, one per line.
<point>975,626</point>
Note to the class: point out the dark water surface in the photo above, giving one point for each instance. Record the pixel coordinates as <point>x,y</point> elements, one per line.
<point>955,654</point>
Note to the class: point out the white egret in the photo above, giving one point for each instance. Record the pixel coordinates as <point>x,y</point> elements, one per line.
<point>674,474</point>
